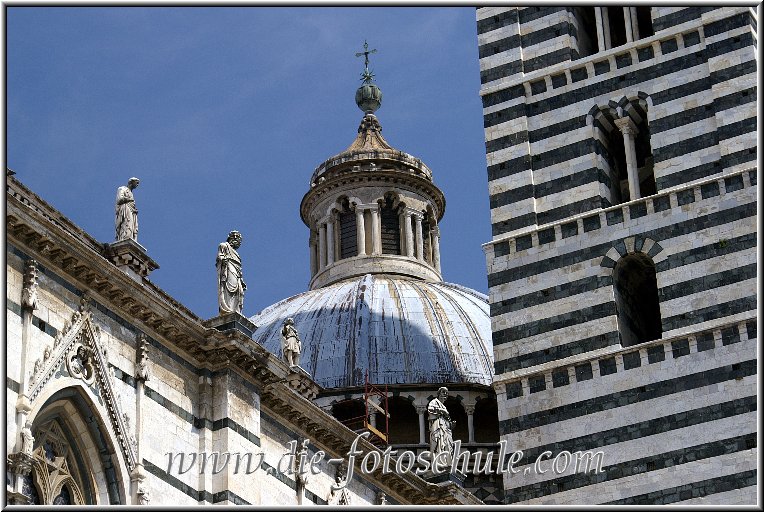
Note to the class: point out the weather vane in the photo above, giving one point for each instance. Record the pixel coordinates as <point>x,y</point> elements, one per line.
<point>367,76</point>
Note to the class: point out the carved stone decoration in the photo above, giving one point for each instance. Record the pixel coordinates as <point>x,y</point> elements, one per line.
<point>290,343</point>
<point>231,284</point>
<point>339,494</point>
<point>143,495</point>
<point>142,359</point>
<point>29,291</point>
<point>84,356</point>
<point>441,437</point>
<point>381,498</point>
<point>79,362</point>
<point>126,221</point>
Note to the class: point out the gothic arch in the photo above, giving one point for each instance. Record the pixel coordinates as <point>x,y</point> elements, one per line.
<point>95,466</point>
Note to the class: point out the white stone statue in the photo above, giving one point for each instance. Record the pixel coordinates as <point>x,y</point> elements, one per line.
<point>126,222</point>
<point>142,362</point>
<point>27,441</point>
<point>441,438</point>
<point>339,494</point>
<point>231,285</point>
<point>290,343</point>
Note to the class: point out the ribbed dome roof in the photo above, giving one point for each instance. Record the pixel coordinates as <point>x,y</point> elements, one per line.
<point>403,331</point>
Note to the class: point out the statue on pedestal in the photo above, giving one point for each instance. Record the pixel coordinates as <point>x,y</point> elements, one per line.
<point>290,343</point>
<point>441,438</point>
<point>27,441</point>
<point>126,222</point>
<point>231,285</point>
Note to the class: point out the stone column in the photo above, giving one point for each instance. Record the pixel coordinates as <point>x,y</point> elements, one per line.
<point>629,129</point>
<point>313,261</point>
<point>360,230</point>
<point>634,23</point>
<point>330,243</point>
<point>470,410</point>
<point>376,231</point>
<point>606,27</point>
<point>627,23</point>
<point>408,233</point>
<point>321,246</point>
<point>600,29</point>
<point>138,475</point>
<point>421,410</point>
<point>419,239</point>
<point>436,248</point>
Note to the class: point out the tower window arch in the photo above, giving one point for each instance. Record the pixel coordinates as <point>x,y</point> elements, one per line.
<point>347,231</point>
<point>391,226</point>
<point>636,298</point>
<point>625,135</point>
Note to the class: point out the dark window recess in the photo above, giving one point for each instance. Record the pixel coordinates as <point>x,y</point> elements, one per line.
<point>523,242</point>
<point>645,53</point>
<point>668,46</point>
<point>560,378</point>
<point>661,203</point>
<point>705,341</point>
<point>656,354</point>
<point>709,190</point>
<point>733,183</point>
<point>591,223</point>
<point>514,389</point>
<point>617,26</point>
<point>348,244</point>
<point>536,384</point>
<point>691,39</point>
<point>559,80</point>
<point>614,216</point>
<point>538,86</point>
<point>607,366</point>
<point>576,75</point>
<point>500,249</point>
<point>730,335</point>
<point>426,239</point>
<point>632,360</point>
<point>601,67</point>
<point>644,23</point>
<point>583,372</point>
<point>546,236</point>
<point>391,229</point>
<point>586,31</point>
<point>623,60</point>
<point>680,348</point>
<point>637,210</point>
<point>569,229</point>
<point>685,197</point>
<point>750,327</point>
<point>636,297</point>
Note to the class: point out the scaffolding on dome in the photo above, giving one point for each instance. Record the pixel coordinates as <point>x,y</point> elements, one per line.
<point>378,434</point>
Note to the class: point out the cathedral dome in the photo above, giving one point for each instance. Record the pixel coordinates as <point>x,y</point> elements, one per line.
<point>400,330</point>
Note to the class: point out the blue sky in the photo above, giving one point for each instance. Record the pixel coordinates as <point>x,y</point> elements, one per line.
<point>224,113</point>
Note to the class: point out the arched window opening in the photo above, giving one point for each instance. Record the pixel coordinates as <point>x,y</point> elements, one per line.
<point>616,159</point>
<point>644,22</point>
<point>426,242</point>
<point>391,226</point>
<point>57,470</point>
<point>403,423</point>
<point>348,232</point>
<point>456,410</point>
<point>636,299</point>
<point>644,155</point>
<point>350,413</point>
<point>486,421</point>
<point>586,31</point>
<point>617,25</point>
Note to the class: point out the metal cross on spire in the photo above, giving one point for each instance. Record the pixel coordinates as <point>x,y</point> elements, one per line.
<point>367,76</point>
